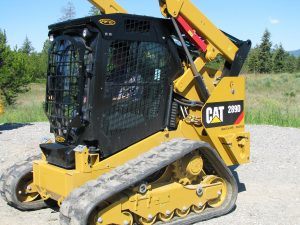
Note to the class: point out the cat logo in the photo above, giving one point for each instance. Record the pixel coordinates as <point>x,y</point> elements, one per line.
<point>215,115</point>
<point>60,139</point>
<point>107,22</point>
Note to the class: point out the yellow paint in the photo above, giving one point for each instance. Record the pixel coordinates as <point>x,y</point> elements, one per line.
<point>107,22</point>
<point>203,26</point>
<point>108,6</point>
<point>60,139</point>
<point>216,120</point>
<point>164,198</point>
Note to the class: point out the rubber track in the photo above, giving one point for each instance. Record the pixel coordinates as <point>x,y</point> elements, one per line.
<point>10,171</point>
<point>9,177</point>
<point>79,204</point>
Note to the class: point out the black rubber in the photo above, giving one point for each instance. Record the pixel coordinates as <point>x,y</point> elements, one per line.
<point>9,181</point>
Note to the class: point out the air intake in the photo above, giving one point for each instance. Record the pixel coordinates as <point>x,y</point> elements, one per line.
<point>140,26</point>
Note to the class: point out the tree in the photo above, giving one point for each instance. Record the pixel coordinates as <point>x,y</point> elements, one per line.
<point>46,46</point>
<point>4,49</point>
<point>290,63</point>
<point>298,64</point>
<point>279,59</point>
<point>14,76</point>
<point>251,64</point>
<point>38,63</point>
<point>94,11</point>
<point>27,47</point>
<point>264,54</point>
<point>68,12</point>
<point>44,59</point>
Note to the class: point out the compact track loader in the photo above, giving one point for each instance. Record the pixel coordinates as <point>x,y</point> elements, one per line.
<point>144,129</point>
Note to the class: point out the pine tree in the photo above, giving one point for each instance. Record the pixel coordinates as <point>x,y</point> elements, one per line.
<point>14,75</point>
<point>279,60</point>
<point>94,11</point>
<point>290,63</point>
<point>4,51</point>
<point>68,12</point>
<point>298,64</point>
<point>251,64</point>
<point>46,46</point>
<point>3,47</point>
<point>38,63</point>
<point>27,47</point>
<point>264,54</point>
<point>44,59</point>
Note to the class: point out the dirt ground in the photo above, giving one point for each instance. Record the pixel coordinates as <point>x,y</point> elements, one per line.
<point>269,185</point>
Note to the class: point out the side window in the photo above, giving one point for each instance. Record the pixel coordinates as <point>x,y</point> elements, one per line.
<point>134,82</point>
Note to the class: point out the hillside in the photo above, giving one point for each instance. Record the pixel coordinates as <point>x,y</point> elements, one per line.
<point>295,53</point>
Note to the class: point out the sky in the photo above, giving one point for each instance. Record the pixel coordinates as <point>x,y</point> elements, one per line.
<point>243,19</point>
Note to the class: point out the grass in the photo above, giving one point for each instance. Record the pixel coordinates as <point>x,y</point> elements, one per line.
<point>271,99</point>
<point>29,107</point>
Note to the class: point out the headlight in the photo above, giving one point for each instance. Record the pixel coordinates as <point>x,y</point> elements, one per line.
<point>51,38</point>
<point>86,33</point>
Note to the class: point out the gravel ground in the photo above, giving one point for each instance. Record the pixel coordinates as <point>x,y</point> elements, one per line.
<point>269,186</point>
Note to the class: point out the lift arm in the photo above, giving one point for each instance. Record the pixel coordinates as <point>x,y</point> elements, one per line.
<point>187,14</point>
<point>108,6</point>
<point>209,39</point>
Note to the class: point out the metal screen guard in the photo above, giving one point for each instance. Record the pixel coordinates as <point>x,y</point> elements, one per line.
<point>134,82</point>
<point>65,85</point>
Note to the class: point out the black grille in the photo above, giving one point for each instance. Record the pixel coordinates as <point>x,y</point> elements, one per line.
<point>62,103</point>
<point>135,81</point>
<point>132,25</point>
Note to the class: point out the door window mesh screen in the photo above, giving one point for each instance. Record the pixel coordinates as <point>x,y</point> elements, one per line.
<point>134,82</point>
<point>63,79</point>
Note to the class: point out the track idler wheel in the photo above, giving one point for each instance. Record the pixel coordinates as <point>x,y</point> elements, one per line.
<point>211,180</point>
<point>17,187</point>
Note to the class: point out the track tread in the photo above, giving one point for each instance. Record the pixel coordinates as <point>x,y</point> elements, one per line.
<point>78,205</point>
<point>8,182</point>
